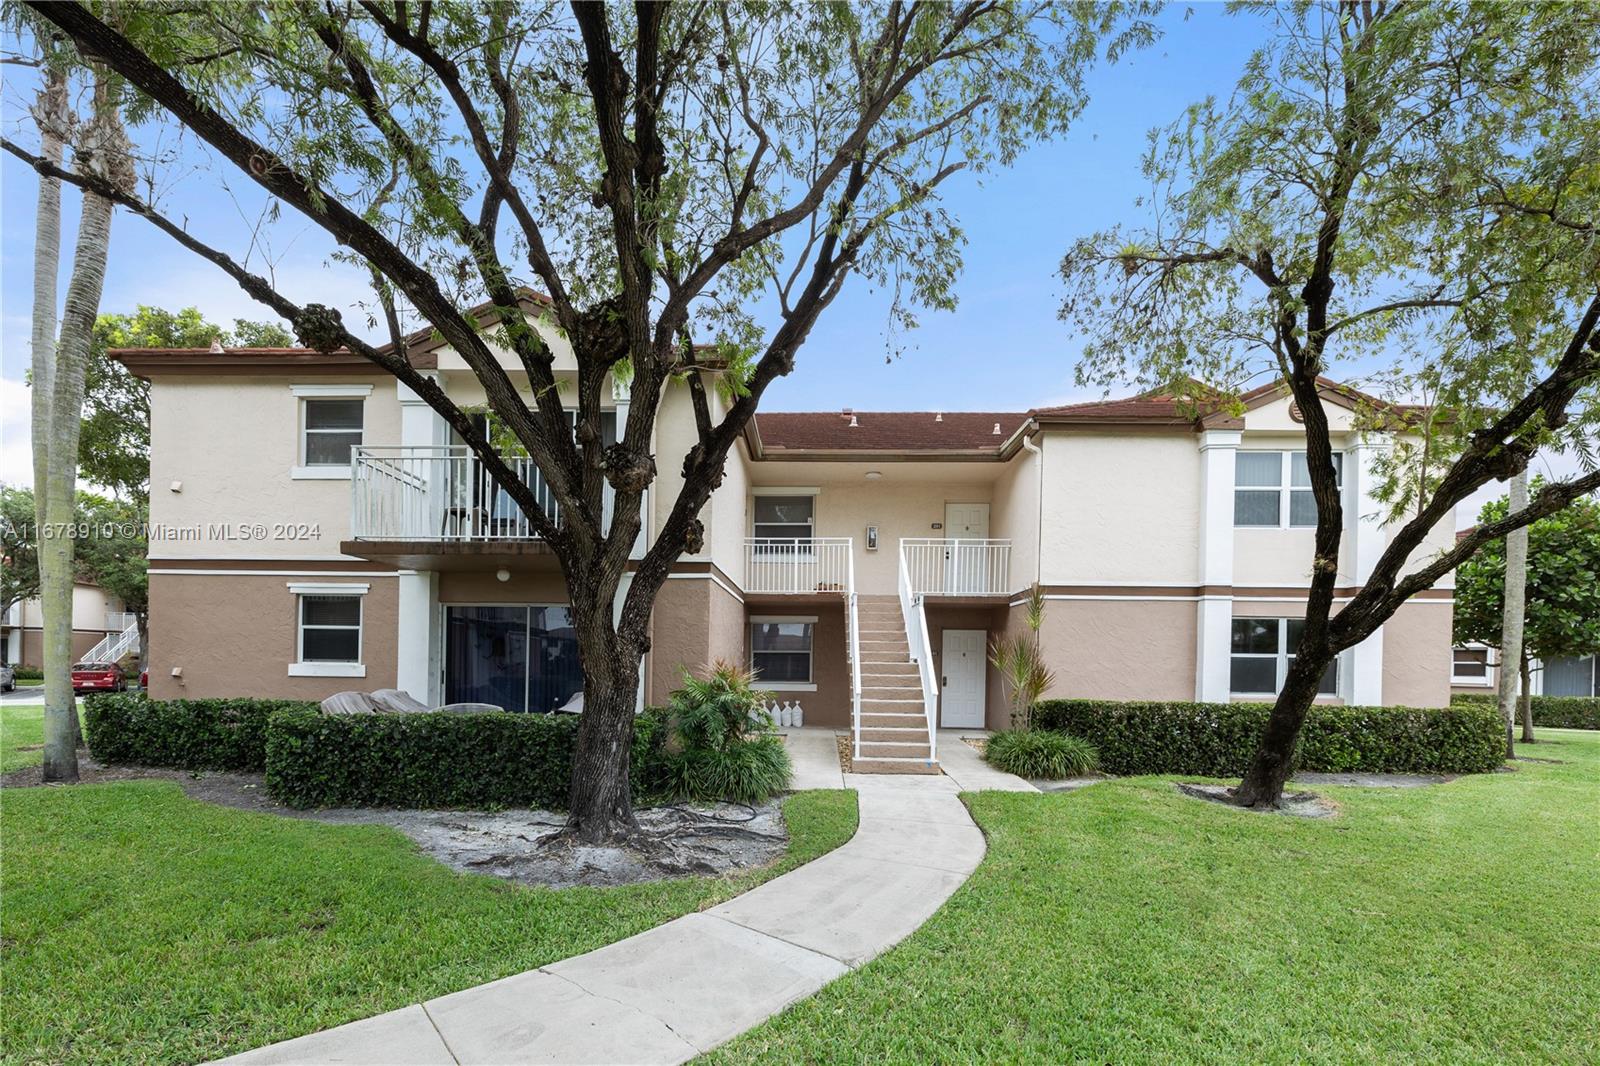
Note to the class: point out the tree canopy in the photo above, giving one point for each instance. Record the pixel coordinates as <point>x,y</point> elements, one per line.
<point>114,443</point>
<point>1562,613</point>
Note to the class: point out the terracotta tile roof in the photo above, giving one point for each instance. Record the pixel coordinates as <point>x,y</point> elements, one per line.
<point>901,431</point>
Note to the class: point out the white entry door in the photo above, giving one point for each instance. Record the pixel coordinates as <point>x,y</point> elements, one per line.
<point>966,564</point>
<point>963,665</point>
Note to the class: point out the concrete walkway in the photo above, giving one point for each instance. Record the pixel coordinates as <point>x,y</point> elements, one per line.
<point>672,992</point>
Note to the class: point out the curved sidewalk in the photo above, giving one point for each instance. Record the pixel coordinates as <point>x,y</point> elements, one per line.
<point>672,992</point>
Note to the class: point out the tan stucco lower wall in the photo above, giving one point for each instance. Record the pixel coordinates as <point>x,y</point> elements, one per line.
<point>1120,649</point>
<point>1416,655</point>
<point>234,635</point>
<point>33,646</point>
<point>480,586</point>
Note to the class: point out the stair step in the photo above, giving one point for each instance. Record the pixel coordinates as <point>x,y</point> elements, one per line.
<point>884,749</point>
<point>879,705</point>
<point>890,720</point>
<point>894,766</point>
<point>912,693</point>
<point>906,734</point>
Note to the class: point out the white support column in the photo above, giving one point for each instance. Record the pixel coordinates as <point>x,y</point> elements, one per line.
<point>1214,621</point>
<point>416,639</point>
<point>1363,685</point>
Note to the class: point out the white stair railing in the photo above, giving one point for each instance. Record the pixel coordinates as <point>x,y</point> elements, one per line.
<point>853,618</point>
<point>937,566</point>
<point>916,623</point>
<point>114,646</point>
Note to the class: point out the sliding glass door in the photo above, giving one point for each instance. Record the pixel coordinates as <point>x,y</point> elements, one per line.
<point>521,658</point>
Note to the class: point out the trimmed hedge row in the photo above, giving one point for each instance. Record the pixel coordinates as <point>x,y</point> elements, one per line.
<point>437,760</point>
<point>1551,712</point>
<point>1218,739</point>
<point>215,734</point>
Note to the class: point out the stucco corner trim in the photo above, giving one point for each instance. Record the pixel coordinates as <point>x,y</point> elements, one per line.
<point>327,669</point>
<point>327,391</point>
<point>315,588</point>
<point>320,473</point>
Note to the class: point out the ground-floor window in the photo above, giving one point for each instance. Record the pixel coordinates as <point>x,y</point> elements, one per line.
<point>327,630</point>
<point>1572,677</point>
<point>780,650</point>
<point>1263,649</point>
<point>1469,665</point>
<point>519,657</point>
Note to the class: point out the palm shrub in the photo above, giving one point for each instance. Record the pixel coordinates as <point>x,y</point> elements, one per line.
<point>1020,662</point>
<point>720,748</point>
<point>1041,753</point>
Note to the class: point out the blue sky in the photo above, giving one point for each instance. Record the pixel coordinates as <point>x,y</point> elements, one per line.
<point>1003,348</point>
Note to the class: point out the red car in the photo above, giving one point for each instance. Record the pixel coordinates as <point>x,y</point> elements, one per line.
<point>98,677</point>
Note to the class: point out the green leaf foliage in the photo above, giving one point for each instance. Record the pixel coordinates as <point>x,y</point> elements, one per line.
<point>437,760</point>
<point>1218,739</point>
<point>129,729</point>
<point>1562,606</point>
<point>1041,754</point>
<point>1549,712</point>
<point>719,748</point>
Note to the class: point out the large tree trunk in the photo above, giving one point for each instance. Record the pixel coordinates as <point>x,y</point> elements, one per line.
<point>1526,700</point>
<point>1274,758</point>
<point>601,803</point>
<point>1513,610</point>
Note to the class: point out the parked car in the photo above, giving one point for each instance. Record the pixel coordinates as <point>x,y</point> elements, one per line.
<point>98,677</point>
<point>144,679</point>
<point>8,677</point>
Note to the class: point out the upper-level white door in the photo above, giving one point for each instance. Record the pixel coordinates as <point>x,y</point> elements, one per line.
<point>964,565</point>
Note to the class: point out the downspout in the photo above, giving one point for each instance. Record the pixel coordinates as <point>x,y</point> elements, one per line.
<point>1038,508</point>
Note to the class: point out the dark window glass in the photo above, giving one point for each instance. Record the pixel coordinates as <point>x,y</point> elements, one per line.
<point>784,517</point>
<point>781,651</point>
<point>515,657</point>
<point>332,610</point>
<point>1252,674</point>
<point>1255,635</point>
<point>330,646</point>
<point>330,629</point>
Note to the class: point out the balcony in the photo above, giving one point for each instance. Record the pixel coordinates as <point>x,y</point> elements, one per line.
<point>973,569</point>
<point>811,566</point>
<point>439,507</point>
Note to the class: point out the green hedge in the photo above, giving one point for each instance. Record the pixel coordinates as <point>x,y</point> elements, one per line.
<point>27,673</point>
<point>217,734</point>
<point>1218,739</point>
<point>434,760</point>
<point>1551,712</point>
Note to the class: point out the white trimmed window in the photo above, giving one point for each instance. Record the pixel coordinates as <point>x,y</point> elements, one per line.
<point>328,630</point>
<point>1263,649</point>
<point>1273,489</point>
<point>780,652</point>
<point>332,421</point>
<point>1469,665</point>
<point>786,518</point>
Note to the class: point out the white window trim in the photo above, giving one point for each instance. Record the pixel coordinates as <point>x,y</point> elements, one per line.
<point>302,471</point>
<point>1285,487</point>
<point>1487,680</point>
<point>299,668</point>
<point>1281,657</point>
<point>811,654</point>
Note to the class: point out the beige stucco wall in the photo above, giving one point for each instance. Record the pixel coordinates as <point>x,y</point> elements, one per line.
<point>993,621</point>
<point>1120,508</point>
<point>234,635</point>
<point>1014,514</point>
<point>90,605</point>
<point>481,586</point>
<point>1416,655</point>
<point>1120,649</point>
<point>233,443</point>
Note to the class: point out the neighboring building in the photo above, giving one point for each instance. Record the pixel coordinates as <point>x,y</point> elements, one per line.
<point>95,615</point>
<point>1476,669</point>
<point>316,528</point>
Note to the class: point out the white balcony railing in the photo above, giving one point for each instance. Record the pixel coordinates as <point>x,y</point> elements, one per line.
<point>796,566</point>
<point>954,567</point>
<point>439,492</point>
<point>119,621</point>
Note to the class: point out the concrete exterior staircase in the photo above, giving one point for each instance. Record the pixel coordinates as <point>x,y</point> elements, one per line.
<point>894,727</point>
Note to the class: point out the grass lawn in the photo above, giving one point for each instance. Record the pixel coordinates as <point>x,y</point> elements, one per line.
<point>1124,923</point>
<point>21,726</point>
<point>142,926</point>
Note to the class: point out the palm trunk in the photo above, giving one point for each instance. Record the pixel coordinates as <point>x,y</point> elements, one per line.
<point>1527,701</point>
<point>1513,610</point>
<point>50,112</point>
<point>1274,758</point>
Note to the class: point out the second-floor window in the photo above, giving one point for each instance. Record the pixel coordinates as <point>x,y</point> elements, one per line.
<point>1263,650</point>
<point>331,427</point>
<point>784,518</point>
<point>1273,489</point>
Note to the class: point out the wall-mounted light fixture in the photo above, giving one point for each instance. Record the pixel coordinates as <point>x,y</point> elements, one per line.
<point>872,538</point>
<point>502,575</point>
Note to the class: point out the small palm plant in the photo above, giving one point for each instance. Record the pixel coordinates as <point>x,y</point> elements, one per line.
<point>721,749</point>
<point>1020,661</point>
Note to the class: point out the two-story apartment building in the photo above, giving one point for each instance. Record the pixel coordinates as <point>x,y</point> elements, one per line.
<point>316,528</point>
